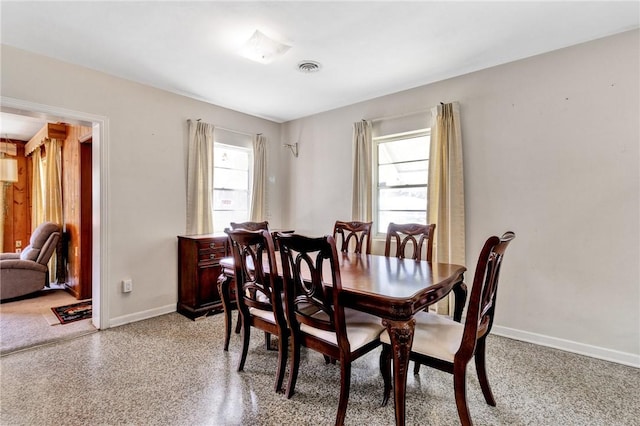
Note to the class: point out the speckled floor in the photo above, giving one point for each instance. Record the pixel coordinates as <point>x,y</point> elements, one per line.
<point>170,370</point>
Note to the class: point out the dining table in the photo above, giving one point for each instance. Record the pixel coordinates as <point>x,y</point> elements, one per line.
<point>391,288</point>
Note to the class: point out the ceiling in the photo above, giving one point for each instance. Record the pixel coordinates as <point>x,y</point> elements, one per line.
<point>366,49</point>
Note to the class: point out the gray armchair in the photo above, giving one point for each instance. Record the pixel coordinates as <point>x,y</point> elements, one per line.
<point>27,272</point>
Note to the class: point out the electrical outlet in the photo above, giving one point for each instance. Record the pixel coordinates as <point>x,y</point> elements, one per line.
<point>127,285</point>
<point>18,243</point>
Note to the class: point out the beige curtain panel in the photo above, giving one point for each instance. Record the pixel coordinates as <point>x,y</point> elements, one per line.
<point>259,187</point>
<point>200,178</point>
<point>46,190</point>
<point>446,188</point>
<point>361,207</point>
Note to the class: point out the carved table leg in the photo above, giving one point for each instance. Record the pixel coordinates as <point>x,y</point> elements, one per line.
<point>401,336</point>
<point>224,282</point>
<point>460,294</point>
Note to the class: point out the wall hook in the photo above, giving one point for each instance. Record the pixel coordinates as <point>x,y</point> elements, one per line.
<point>293,147</point>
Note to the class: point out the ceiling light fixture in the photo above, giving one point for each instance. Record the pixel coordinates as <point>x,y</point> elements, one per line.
<point>309,66</point>
<point>263,49</point>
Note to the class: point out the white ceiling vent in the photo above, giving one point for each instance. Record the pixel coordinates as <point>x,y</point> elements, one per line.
<point>308,66</point>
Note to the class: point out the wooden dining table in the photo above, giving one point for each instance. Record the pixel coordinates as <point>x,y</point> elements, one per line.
<point>391,288</point>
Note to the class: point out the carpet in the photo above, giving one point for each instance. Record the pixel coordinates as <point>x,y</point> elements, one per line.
<point>73,312</point>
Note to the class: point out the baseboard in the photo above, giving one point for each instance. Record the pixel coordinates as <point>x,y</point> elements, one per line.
<point>143,315</point>
<point>569,346</point>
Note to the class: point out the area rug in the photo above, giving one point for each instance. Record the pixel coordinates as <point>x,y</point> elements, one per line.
<point>73,312</point>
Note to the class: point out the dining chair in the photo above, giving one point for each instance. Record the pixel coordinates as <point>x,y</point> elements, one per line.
<point>316,317</point>
<point>410,234</point>
<point>250,226</point>
<point>356,233</point>
<point>259,293</point>
<point>446,345</point>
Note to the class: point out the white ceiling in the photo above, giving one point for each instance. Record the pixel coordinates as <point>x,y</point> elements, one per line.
<point>367,49</point>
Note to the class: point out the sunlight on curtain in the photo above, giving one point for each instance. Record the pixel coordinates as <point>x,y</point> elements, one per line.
<point>258,191</point>
<point>361,207</point>
<point>37,194</point>
<point>200,178</point>
<point>446,189</point>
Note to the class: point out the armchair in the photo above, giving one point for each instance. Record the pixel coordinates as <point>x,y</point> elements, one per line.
<point>27,272</point>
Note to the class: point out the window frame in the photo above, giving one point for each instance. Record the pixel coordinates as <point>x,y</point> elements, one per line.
<point>378,233</point>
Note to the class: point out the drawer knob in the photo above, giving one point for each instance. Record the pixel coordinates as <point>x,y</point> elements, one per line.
<point>212,256</point>
<point>212,245</point>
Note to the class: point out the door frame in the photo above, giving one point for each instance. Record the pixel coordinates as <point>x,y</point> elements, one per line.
<point>99,187</point>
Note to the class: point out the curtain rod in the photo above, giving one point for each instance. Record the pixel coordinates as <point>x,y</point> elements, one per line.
<point>391,117</point>
<point>231,130</point>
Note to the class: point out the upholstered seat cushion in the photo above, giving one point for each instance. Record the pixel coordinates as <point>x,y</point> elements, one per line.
<point>264,314</point>
<point>362,328</point>
<point>435,335</point>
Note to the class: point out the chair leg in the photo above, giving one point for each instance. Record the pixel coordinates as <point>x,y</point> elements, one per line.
<point>283,351</point>
<point>246,333</point>
<point>267,340</point>
<point>345,384</point>
<point>416,367</point>
<point>385,370</point>
<point>239,323</point>
<point>482,372</point>
<point>460,389</point>
<point>293,373</point>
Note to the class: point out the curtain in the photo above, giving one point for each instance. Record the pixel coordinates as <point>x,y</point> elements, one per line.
<point>445,195</point>
<point>258,191</point>
<point>361,207</point>
<point>46,190</point>
<point>200,178</point>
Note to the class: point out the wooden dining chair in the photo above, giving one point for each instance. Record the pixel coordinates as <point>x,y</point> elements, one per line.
<point>414,235</point>
<point>446,345</point>
<point>259,294</point>
<point>228,297</point>
<point>250,226</point>
<point>358,234</point>
<point>317,319</point>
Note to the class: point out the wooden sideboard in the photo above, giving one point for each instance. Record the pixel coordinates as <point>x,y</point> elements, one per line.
<point>199,268</point>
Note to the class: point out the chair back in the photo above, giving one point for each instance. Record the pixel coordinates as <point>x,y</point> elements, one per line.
<point>256,272</point>
<point>482,302</point>
<point>42,244</point>
<point>355,233</point>
<point>250,226</point>
<point>312,284</point>
<point>404,235</point>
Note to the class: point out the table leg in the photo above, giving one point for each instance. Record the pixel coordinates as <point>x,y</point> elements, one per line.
<point>460,295</point>
<point>401,336</point>
<point>224,282</point>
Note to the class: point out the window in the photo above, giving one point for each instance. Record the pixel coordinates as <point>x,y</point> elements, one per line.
<point>232,168</point>
<point>401,173</point>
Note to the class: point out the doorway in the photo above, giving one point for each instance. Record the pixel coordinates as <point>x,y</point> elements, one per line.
<point>97,227</point>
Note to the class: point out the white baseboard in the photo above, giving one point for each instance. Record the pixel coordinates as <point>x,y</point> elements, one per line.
<point>139,316</point>
<point>625,358</point>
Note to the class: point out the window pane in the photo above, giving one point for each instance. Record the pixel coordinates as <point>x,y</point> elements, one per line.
<point>412,173</point>
<point>403,150</point>
<point>223,218</point>
<point>230,157</point>
<point>231,179</point>
<point>230,200</point>
<point>385,217</point>
<point>403,199</point>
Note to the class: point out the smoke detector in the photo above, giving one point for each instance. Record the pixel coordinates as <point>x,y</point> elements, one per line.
<point>308,67</point>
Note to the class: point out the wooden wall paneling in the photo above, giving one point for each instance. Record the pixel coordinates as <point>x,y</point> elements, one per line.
<point>17,224</point>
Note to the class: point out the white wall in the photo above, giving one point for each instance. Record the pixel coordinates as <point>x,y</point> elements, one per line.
<point>551,151</point>
<point>145,169</point>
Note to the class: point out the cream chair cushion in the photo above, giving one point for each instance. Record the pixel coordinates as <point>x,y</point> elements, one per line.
<point>435,335</point>
<point>362,328</point>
